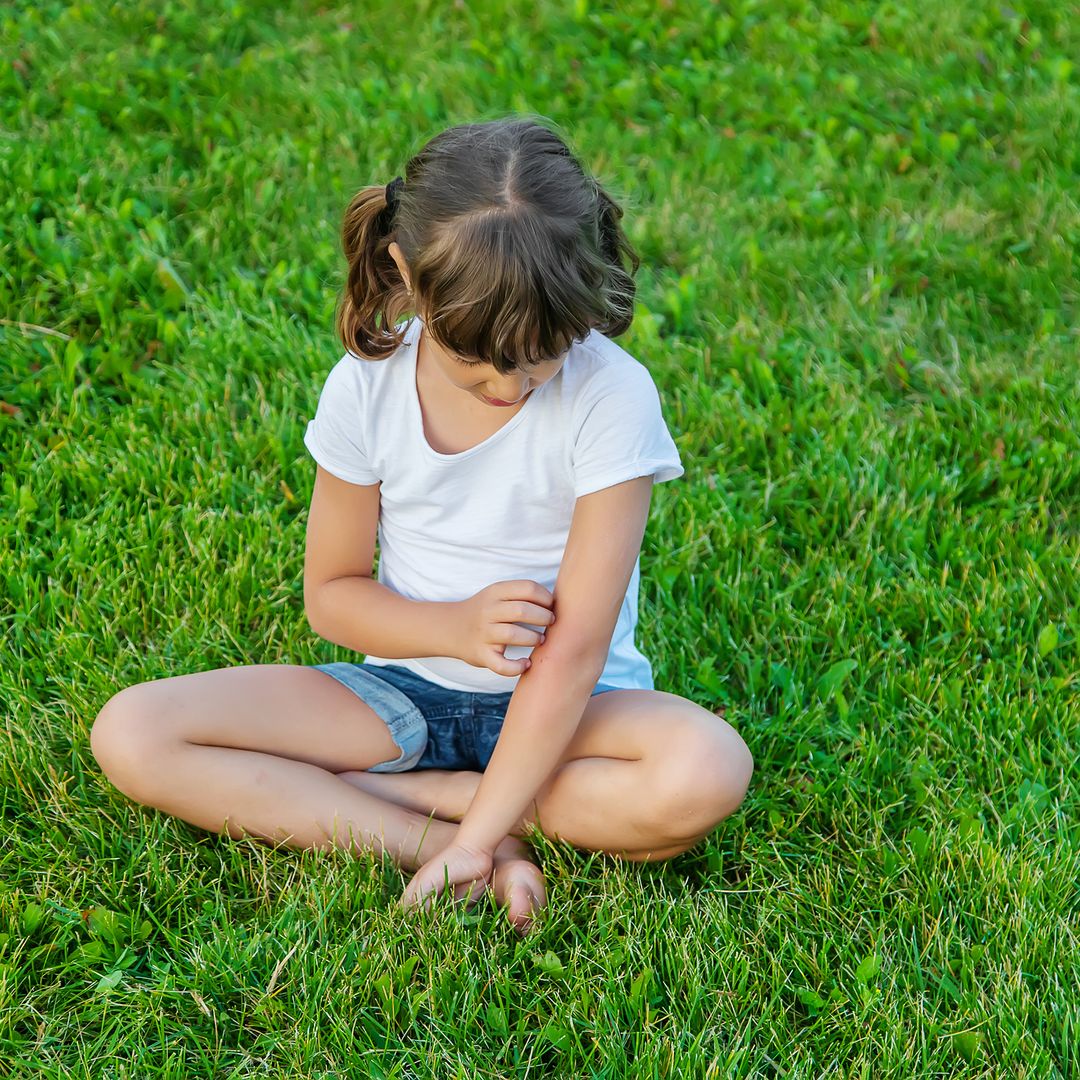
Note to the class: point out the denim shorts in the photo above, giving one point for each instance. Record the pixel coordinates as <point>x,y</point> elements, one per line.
<point>434,727</point>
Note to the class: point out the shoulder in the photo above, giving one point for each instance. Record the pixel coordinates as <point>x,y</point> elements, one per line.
<point>356,380</point>
<point>619,430</point>
<point>598,358</point>
<point>599,371</point>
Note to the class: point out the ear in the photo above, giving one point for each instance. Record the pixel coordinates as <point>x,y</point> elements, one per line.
<point>399,258</point>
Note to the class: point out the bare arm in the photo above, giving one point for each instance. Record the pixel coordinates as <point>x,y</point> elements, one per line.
<point>550,698</point>
<point>342,600</point>
<point>368,617</point>
<point>346,605</point>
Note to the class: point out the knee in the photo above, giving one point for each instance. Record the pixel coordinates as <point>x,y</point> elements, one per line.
<point>120,740</point>
<point>703,774</point>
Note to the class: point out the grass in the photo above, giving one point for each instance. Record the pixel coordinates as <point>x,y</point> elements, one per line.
<point>859,300</point>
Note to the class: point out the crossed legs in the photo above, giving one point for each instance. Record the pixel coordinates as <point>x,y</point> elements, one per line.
<point>646,776</point>
<point>279,752</point>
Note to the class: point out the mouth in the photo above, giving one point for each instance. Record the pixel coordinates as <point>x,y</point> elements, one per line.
<point>495,401</point>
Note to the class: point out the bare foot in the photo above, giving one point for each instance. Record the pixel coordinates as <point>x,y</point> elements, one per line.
<point>517,883</point>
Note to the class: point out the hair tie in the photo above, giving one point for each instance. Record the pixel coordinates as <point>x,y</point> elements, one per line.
<point>393,190</point>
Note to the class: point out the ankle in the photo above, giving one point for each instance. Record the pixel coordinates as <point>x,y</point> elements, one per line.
<point>513,848</point>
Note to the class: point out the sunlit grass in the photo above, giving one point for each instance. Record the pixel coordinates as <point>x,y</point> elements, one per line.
<point>859,301</point>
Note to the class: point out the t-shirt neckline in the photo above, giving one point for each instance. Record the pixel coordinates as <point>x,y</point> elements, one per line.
<point>418,416</point>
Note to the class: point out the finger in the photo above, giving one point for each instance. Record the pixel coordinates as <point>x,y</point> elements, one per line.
<point>517,611</point>
<point>422,901</point>
<point>421,892</point>
<point>469,892</point>
<point>531,591</point>
<point>501,666</point>
<point>512,634</point>
<point>541,595</point>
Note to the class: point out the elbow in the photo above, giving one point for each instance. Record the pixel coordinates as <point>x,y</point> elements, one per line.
<point>314,618</point>
<point>310,593</point>
<point>315,609</point>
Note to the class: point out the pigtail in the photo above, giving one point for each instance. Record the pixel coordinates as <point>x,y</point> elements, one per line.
<point>618,287</point>
<point>374,298</point>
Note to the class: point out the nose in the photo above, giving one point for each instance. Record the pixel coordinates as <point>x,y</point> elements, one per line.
<point>511,393</point>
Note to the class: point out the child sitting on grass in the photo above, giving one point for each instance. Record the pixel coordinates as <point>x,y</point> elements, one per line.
<point>503,449</point>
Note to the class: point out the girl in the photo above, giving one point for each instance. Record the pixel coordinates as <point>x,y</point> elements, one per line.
<point>503,448</point>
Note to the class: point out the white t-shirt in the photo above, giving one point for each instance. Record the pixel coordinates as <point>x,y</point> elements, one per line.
<point>452,524</point>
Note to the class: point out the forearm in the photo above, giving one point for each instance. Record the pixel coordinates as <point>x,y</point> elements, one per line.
<point>366,616</point>
<point>544,712</point>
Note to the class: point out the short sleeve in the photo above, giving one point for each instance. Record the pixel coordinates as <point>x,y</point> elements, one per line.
<point>620,432</point>
<point>335,435</point>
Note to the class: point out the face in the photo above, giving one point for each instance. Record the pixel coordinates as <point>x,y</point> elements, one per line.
<point>483,381</point>
<point>491,387</point>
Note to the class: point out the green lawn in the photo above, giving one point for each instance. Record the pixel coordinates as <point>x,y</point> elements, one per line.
<point>859,224</point>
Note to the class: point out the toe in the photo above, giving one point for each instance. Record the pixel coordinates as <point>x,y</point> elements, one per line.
<point>521,907</point>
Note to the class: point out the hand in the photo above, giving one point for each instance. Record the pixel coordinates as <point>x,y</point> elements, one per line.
<point>488,622</point>
<point>466,870</point>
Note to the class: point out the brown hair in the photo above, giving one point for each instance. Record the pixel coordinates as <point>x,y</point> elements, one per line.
<point>513,250</point>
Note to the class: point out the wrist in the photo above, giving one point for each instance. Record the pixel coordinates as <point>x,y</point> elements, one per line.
<point>476,840</point>
<point>445,616</point>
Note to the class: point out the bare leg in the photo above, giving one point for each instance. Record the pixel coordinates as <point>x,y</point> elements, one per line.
<point>442,792</point>
<point>646,776</point>
<point>517,883</point>
<point>448,794</point>
<point>272,751</point>
<point>158,743</point>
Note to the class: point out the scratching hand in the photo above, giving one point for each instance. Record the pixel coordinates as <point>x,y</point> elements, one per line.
<point>491,621</point>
